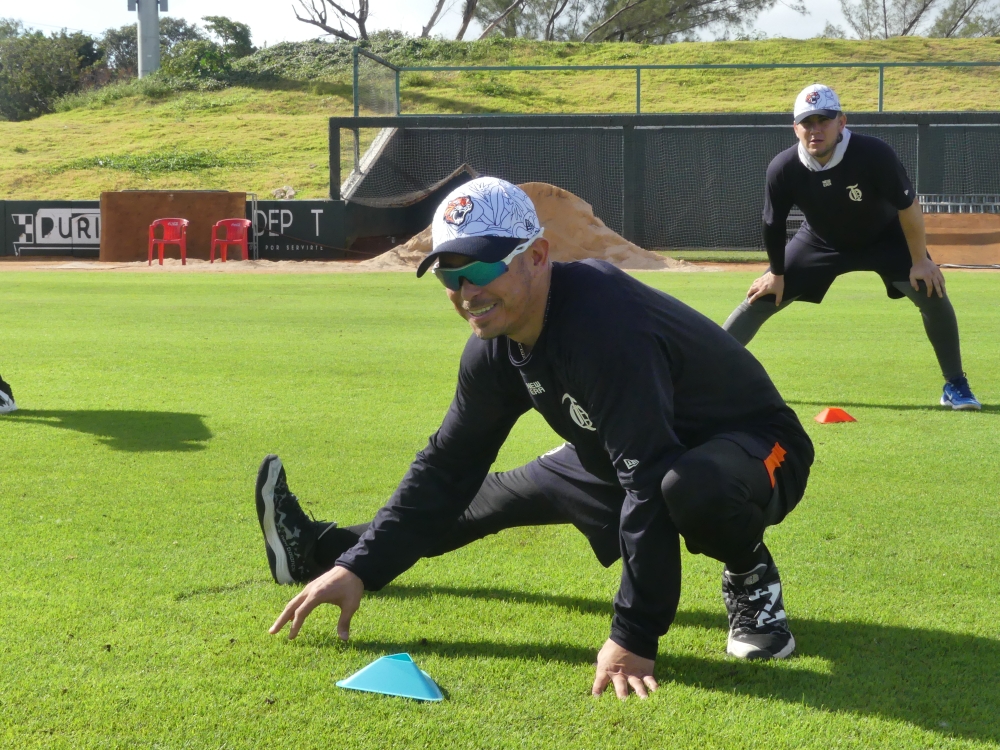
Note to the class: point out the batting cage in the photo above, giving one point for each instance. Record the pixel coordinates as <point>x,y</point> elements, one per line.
<point>662,181</point>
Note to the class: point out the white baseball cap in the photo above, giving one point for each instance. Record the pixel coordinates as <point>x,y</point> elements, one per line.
<point>484,219</point>
<point>816,99</point>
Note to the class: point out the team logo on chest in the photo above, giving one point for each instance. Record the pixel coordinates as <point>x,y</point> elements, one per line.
<point>578,415</point>
<point>854,193</point>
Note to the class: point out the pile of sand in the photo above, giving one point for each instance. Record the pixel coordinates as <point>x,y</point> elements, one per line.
<point>571,228</point>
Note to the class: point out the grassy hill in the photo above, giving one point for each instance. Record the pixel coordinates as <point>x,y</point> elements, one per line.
<point>269,128</point>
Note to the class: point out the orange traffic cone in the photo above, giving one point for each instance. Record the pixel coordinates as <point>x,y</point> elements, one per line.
<point>834,415</point>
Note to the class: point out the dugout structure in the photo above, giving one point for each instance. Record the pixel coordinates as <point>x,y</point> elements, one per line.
<point>662,181</point>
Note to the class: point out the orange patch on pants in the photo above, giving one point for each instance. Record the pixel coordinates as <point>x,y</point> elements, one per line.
<point>775,460</point>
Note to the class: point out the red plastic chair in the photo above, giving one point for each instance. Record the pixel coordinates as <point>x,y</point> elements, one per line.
<point>174,233</point>
<point>236,234</point>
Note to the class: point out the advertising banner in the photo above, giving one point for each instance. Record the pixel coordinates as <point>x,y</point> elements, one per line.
<point>299,229</point>
<point>285,229</point>
<point>51,228</point>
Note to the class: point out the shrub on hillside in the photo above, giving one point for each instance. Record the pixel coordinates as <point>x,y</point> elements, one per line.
<point>196,59</point>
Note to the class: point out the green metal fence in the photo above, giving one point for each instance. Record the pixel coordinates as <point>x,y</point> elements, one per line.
<point>361,54</point>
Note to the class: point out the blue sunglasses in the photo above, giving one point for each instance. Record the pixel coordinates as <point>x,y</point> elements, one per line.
<point>479,273</point>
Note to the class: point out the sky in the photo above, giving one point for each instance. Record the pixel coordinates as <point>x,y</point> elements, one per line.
<point>274,21</point>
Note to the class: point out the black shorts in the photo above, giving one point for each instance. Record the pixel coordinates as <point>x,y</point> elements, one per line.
<point>811,264</point>
<point>560,484</point>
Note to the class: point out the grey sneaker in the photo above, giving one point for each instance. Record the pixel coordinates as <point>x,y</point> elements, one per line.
<point>289,534</point>
<point>758,627</point>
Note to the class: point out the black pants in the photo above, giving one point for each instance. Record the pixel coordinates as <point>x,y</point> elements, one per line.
<point>811,267</point>
<point>720,499</point>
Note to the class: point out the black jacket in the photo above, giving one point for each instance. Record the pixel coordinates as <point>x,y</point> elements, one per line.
<point>632,378</point>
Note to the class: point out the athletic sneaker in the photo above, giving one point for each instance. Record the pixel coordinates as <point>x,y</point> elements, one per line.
<point>7,403</point>
<point>289,534</point>
<point>958,395</point>
<point>758,628</point>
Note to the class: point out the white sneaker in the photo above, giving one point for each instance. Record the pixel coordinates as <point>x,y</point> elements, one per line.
<point>7,403</point>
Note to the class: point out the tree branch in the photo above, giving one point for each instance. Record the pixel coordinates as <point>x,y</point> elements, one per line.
<point>467,13</point>
<point>493,24</point>
<point>611,18</point>
<point>317,17</point>
<point>557,9</point>
<point>916,18</point>
<point>961,17</point>
<point>426,30</point>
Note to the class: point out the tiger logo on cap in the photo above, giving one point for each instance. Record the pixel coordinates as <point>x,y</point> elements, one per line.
<point>812,97</point>
<point>457,210</point>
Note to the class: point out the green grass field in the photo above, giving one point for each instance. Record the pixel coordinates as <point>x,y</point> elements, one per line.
<point>136,596</point>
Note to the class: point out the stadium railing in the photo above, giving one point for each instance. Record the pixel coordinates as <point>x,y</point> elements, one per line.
<point>387,81</point>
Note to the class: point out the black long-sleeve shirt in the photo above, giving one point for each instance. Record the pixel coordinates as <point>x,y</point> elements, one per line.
<point>850,206</point>
<point>632,378</point>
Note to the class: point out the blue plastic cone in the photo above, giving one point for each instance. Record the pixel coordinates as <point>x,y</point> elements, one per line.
<point>394,675</point>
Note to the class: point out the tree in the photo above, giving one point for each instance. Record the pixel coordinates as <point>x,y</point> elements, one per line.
<point>651,21</point>
<point>198,58</point>
<point>318,15</point>
<point>832,32</point>
<point>426,30</point>
<point>10,27</point>
<point>967,18</point>
<point>121,50</point>
<point>173,31</point>
<point>35,69</point>
<point>233,36</point>
<point>662,21</point>
<point>507,18</point>
<point>468,13</point>
<point>881,19</point>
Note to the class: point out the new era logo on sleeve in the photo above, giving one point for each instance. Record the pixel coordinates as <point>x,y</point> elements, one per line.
<point>535,389</point>
<point>630,463</point>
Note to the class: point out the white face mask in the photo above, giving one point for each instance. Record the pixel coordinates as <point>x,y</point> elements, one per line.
<point>810,163</point>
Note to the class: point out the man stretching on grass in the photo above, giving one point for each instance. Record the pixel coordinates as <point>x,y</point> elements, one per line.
<point>672,429</point>
<point>861,215</point>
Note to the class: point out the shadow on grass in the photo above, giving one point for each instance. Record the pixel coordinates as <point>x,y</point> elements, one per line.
<point>987,408</point>
<point>938,681</point>
<point>572,603</point>
<point>123,430</point>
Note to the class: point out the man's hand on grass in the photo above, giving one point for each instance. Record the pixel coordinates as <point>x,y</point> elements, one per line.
<point>927,270</point>
<point>623,669</point>
<point>765,285</point>
<point>337,586</point>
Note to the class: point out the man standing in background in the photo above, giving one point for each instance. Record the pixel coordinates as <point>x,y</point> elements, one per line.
<point>861,214</point>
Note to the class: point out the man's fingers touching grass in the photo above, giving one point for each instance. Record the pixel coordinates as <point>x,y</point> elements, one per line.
<point>287,614</point>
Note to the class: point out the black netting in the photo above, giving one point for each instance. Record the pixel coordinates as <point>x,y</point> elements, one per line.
<point>703,187</point>
<point>376,87</point>
<point>697,186</point>
<point>971,159</point>
<point>411,163</point>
